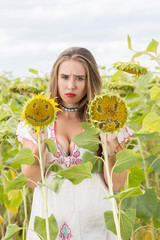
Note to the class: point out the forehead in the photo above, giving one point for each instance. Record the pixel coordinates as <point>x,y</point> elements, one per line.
<point>71,67</point>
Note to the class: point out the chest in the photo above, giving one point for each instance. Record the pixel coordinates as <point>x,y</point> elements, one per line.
<point>65,130</point>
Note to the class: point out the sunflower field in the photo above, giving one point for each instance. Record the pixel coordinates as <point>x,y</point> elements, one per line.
<point>139,200</point>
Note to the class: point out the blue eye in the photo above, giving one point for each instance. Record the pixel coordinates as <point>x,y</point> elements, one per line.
<point>80,78</point>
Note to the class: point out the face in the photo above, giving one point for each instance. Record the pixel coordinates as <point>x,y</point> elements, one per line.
<point>39,112</point>
<point>72,83</point>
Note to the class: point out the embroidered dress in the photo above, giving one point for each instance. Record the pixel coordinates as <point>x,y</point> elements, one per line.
<point>78,209</point>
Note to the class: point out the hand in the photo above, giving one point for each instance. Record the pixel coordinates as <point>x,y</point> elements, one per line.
<point>112,143</point>
<point>43,134</point>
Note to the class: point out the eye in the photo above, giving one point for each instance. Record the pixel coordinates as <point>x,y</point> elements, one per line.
<point>115,107</point>
<point>34,105</point>
<point>65,77</point>
<point>80,78</point>
<point>46,107</point>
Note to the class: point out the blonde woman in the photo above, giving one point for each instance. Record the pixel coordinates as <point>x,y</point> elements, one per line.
<point>78,209</point>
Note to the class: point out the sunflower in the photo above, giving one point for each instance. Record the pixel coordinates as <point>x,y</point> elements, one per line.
<point>40,111</point>
<point>129,67</point>
<point>108,112</point>
<point>1,219</point>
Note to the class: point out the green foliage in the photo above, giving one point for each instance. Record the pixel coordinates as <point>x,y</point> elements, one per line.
<point>95,160</point>
<point>126,159</point>
<point>76,174</point>
<point>152,47</point>
<point>24,156</point>
<point>16,183</point>
<point>126,223</point>
<point>12,229</point>
<point>87,140</point>
<point>40,228</point>
<point>138,201</point>
<point>51,146</point>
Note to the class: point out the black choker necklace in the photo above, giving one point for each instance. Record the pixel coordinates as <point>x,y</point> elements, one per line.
<point>69,109</point>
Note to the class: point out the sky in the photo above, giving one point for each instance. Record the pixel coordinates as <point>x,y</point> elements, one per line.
<point>34,32</point>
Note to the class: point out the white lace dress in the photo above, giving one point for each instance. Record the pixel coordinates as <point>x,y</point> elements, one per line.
<point>78,209</point>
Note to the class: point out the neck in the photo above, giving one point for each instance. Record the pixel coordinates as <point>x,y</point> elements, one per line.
<point>66,109</point>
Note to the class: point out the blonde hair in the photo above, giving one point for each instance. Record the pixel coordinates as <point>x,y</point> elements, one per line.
<point>94,82</point>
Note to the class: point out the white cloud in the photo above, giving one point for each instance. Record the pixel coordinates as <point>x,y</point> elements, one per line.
<point>32,33</point>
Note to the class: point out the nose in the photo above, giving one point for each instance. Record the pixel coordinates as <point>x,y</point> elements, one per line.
<point>71,83</point>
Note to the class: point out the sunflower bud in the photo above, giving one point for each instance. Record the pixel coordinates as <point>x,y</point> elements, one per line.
<point>130,68</point>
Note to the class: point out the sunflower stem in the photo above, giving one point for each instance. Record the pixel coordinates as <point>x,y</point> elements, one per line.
<point>43,188</point>
<point>145,53</point>
<point>4,183</point>
<point>25,222</point>
<point>110,185</point>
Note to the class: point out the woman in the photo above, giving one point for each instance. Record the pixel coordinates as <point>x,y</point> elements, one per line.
<point>78,209</point>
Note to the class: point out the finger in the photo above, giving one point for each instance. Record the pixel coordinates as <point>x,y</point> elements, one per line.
<point>120,146</point>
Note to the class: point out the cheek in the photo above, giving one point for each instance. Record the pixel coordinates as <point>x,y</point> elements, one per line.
<point>60,86</point>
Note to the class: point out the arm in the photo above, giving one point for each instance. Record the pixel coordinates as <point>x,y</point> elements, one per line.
<point>33,171</point>
<point>118,179</point>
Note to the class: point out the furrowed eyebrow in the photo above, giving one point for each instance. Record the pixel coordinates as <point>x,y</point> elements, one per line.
<point>79,75</point>
<point>74,75</point>
<point>65,74</point>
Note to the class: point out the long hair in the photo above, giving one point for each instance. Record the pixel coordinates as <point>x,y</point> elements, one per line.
<point>94,82</point>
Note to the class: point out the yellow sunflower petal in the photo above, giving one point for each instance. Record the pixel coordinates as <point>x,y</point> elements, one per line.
<point>1,219</point>
<point>40,111</point>
<point>38,129</point>
<point>26,122</point>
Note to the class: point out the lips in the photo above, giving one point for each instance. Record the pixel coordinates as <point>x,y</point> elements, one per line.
<point>70,95</point>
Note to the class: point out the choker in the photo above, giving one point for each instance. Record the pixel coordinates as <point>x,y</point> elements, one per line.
<point>69,109</point>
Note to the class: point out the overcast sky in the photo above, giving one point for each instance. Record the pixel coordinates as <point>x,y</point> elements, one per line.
<point>34,32</point>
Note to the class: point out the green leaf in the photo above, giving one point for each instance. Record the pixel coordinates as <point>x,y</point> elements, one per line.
<point>51,146</point>
<point>33,71</point>
<point>40,227</point>
<point>12,229</point>
<point>116,76</point>
<point>109,221</point>
<point>156,212</point>
<point>76,174</point>
<point>55,167</point>
<point>89,127</point>
<point>154,162</point>
<point>55,184</point>
<point>95,160</point>
<point>1,193</point>
<point>129,203</point>
<point>16,183</point>
<point>87,141</point>
<point>155,92</point>
<point>135,178</point>
<point>152,47</point>
<point>146,204</point>
<point>126,159</point>
<point>24,156</point>
<point>129,193</point>
<point>129,42</point>
<point>144,80</point>
<point>16,198</point>
<point>151,123</point>
<point>127,220</point>
<point>3,115</point>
